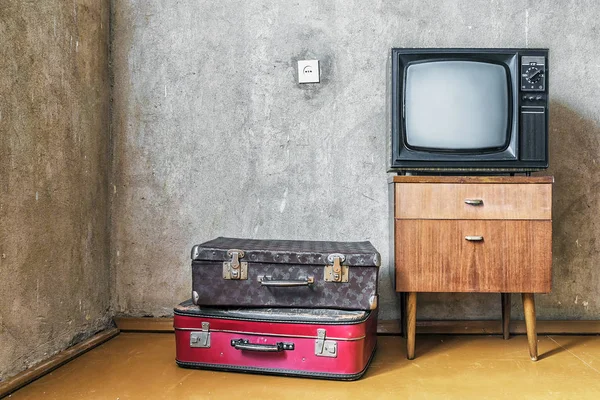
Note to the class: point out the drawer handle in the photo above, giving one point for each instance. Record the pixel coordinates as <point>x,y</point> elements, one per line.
<point>474,238</point>
<point>474,202</point>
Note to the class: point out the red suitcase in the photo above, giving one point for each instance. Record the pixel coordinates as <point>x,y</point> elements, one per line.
<point>317,343</point>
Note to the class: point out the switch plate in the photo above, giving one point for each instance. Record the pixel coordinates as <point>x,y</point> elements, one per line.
<point>308,71</point>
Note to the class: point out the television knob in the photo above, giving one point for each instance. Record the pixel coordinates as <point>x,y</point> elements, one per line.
<point>538,97</point>
<point>531,98</point>
<point>524,98</point>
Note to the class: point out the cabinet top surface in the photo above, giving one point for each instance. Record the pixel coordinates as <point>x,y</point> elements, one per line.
<point>471,179</point>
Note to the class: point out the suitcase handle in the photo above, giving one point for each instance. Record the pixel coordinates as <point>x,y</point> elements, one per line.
<point>267,281</point>
<point>244,344</point>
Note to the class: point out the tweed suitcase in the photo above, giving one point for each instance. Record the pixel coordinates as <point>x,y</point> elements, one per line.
<point>285,273</point>
<point>318,343</point>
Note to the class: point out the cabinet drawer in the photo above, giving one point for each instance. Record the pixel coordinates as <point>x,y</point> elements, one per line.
<point>488,201</point>
<point>434,256</point>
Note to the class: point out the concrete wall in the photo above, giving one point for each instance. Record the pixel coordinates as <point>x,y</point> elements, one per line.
<point>54,146</point>
<point>215,137</point>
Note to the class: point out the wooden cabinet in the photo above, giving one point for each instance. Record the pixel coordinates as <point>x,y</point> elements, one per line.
<point>473,234</point>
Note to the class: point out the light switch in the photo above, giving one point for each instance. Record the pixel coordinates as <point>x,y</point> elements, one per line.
<point>308,71</point>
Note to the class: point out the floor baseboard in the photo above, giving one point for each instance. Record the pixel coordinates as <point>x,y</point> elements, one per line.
<point>393,327</point>
<point>29,375</point>
<point>144,324</point>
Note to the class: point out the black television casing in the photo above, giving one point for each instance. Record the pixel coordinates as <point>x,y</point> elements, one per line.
<point>526,147</point>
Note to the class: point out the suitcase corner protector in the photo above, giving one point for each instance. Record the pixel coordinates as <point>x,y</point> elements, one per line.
<point>195,251</point>
<point>377,260</point>
<point>373,302</point>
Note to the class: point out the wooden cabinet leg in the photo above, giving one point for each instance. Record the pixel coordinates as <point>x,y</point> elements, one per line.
<point>411,324</point>
<point>529,310</point>
<point>403,316</point>
<point>506,315</point>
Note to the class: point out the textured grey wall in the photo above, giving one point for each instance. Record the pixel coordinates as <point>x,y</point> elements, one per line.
<point>214,136</point>
<point>54,144</point>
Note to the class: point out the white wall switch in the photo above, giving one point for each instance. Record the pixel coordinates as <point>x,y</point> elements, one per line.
<point>308,71</point>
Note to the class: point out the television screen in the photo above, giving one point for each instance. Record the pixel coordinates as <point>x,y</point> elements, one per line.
<point>457,106</point>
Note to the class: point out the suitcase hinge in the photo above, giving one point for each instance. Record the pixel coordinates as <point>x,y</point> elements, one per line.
<point>201,339</point>
<point>336,272</point>
<point>235,269</point>
<point>325,348</point>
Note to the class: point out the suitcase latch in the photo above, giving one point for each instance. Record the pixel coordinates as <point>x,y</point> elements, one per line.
<point>235,269</point>
<point>202,338</point>
<point>336,272</point>
<point>325,348</point>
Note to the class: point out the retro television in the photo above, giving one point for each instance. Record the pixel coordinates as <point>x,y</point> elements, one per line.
<point>469,110</point>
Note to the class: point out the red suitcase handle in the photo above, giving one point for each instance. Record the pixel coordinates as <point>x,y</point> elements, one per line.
<point>244,344</point>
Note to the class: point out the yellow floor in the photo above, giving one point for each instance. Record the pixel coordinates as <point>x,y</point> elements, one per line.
<point>141,366</point>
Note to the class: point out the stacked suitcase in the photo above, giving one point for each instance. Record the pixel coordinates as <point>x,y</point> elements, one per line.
<point>298,308</point>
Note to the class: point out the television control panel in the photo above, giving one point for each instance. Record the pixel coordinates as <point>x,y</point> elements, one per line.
<point>533,74</point>
<point>534,103</point>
